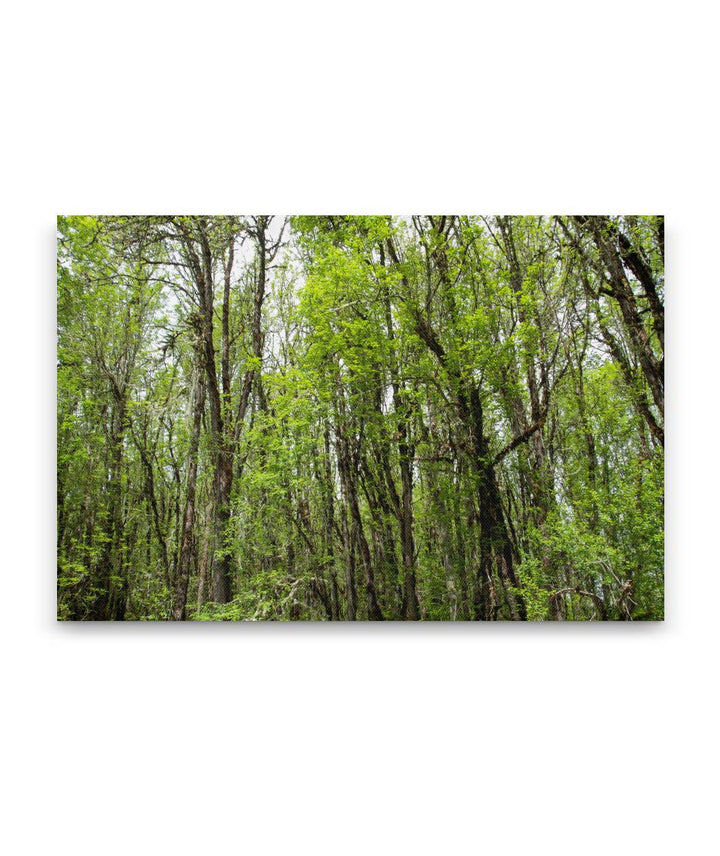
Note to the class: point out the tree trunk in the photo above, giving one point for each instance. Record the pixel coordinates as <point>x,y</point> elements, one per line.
<point>187,541</point>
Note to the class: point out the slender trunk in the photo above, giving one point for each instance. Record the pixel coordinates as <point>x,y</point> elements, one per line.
<point>109,605</point>
<point>621,290</point>
<point>151,497</point>
<point>356,533</point>
<point>635,262</point>
<point>203,570</point>
<point>411,608</point>
<point>187,541</point>
<point>541,488</point>
<point>348,551</point>
<point>222,564</point>
<point>329,526</point>
<point>496,547</point>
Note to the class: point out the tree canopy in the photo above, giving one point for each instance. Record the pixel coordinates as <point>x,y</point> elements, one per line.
<point>360,418</point>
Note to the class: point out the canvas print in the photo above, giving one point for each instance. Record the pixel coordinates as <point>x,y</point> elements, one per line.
<point>360,418</point>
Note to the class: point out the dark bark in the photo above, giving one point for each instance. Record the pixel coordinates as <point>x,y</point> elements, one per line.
<point>348,548</point>
<point>329,526</point>
<point>620,289</point>
<point>496,552</point>
<point>110,603</point>
<point>536,379</point>
<point>151,497</point>
<point>644,276</point>
<point>411,607</point>
<point>637,393</point>
<point>187,540</point>
<point>226,426</point>
<point>356,533</point>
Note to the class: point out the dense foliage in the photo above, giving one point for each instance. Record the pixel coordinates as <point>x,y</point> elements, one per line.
<point>350,418</point>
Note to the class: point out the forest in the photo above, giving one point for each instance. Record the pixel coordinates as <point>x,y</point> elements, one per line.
<point>360,418</point>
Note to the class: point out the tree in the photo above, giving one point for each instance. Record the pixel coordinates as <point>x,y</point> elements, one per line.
<point>360,418</point>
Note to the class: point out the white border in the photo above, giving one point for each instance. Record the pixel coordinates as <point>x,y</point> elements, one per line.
<point>396,739</point>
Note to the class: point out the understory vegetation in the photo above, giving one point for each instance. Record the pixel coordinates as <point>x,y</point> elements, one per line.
<point>360,418</point>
